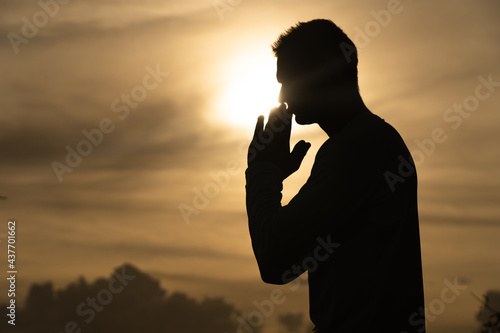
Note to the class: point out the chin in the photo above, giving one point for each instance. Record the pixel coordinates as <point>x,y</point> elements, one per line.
<point>303,117</point>
<point>301,121</point>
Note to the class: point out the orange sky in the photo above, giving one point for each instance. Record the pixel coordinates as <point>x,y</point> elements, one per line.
<point>121,202</point>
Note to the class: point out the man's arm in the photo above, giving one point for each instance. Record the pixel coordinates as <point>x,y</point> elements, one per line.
<point>285,236</point>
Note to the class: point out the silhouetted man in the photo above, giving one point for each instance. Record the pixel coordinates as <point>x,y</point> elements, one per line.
<point>354,224</point>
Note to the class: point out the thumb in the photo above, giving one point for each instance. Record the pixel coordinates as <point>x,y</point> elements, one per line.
<point>298,153</point>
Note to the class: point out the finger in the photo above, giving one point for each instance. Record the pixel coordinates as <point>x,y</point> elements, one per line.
<point>285,115</point>
<point>280,120</point>
<point>259,126</point>
<point>286,111</point>
<point>281,112</point>
<point>298,153</point>
<point>286,121</point>
<point>273,117</point>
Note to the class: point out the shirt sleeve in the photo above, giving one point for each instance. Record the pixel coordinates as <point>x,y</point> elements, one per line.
<point>283,236</point>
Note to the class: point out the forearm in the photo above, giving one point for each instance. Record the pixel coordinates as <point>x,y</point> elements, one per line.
<point>266,222</point>
<point>263,200</point>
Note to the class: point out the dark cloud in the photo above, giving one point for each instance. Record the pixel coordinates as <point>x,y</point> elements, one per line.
<point>105,21</point>
<point>52,100</point>
<point>140,250</point>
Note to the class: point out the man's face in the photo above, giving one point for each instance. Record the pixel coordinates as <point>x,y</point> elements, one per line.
<point>301,91</point>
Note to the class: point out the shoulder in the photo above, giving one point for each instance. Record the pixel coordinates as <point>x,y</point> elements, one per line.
<point>366,135</point>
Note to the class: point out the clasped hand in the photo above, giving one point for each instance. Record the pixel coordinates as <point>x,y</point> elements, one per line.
<point>271,142</point>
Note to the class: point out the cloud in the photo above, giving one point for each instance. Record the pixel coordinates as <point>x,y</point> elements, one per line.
<point>50,101</point>
<point>150,251</point>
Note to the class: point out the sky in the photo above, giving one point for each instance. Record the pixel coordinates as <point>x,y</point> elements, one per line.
<point>124,129</point>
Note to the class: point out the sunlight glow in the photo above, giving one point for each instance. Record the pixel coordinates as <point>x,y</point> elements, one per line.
<point>249,89</point>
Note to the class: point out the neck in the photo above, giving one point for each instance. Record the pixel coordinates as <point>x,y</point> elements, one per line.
<point>340,114</point>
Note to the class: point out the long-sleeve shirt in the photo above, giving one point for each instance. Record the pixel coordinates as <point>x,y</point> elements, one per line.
<point>353,226</point>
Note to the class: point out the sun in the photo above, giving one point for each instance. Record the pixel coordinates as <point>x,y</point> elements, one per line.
<point>249,88</point>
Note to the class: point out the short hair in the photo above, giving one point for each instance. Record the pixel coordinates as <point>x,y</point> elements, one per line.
<point>320,43</point>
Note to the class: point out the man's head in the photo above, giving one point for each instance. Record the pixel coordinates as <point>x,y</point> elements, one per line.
<point>317,67</point>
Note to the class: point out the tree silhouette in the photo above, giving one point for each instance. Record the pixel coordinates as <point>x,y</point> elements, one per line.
<point>489,314</point>
<point>292,321</point>
<point>129,301</point>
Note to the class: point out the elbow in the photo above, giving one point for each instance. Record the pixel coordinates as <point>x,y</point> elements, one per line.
<point>275,274</point>
<point>269,269</point>
<point>275,268</point>
<point>270,278</point>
